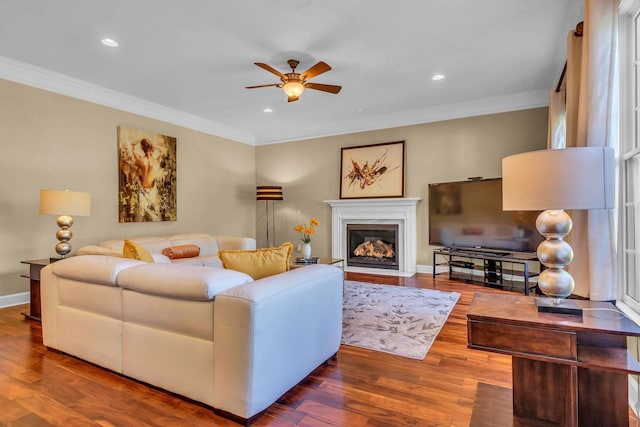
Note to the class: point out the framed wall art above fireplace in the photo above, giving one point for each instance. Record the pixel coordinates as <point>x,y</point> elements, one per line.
<point>372,171</point>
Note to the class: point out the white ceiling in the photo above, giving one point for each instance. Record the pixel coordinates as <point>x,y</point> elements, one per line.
<point>187,62</point>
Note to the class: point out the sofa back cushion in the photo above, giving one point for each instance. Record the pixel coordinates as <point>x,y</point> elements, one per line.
<point>152,244</point>
<point>258,263</point>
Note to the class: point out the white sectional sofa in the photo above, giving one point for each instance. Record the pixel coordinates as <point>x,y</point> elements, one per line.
<point>213,335</point>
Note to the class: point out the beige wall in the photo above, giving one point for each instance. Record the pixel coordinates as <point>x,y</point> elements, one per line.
<point>57,142</point>
<point>53,141</point>
<point>309,171</point>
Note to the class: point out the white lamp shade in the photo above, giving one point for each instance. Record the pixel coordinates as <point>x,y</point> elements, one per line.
<point>570,178</point>
<point>65,202</point>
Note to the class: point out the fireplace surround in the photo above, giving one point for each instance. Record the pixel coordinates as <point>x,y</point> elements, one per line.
<point>387,211</point>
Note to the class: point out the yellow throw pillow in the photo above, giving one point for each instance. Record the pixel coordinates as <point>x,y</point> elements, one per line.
<point>258,263</point>
<point>136,251</point>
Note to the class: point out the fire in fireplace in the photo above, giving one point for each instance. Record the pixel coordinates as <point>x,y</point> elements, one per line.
<point>372,245</point>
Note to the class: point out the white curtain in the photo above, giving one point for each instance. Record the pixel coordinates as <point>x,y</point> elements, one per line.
<point>557,119</point>
<point>592,121</point>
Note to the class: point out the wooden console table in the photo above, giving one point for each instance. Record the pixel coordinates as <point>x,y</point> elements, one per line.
<point>568,370</point>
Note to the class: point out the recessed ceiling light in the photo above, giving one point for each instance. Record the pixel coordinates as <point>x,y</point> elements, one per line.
<point>437,77</point>
<point>268,110</point>
<point>109,42</point>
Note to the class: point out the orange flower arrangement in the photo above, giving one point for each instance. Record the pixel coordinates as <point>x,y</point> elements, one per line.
<point>307,230</point>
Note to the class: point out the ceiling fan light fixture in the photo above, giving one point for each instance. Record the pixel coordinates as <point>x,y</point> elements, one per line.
<point>293,88</point>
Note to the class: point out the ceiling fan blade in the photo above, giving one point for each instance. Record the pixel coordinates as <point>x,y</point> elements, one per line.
<point>319,68</point>
<point>293,98</point>
<point>270,69</point>
<point>255,87</point>
<point>324,88</point>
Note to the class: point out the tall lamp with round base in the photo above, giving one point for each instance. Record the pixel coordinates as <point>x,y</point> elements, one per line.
<point>551,181</point>
<point>64,203</point>
<point>269,193</point>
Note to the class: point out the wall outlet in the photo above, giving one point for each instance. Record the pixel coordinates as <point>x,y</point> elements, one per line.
<point>298,247</point>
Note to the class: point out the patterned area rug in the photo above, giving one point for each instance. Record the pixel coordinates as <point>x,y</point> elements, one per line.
<point>394,319</point>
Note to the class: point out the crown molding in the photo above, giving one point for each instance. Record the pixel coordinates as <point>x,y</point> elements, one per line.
<point>478,107</point>
<point>41,78</point>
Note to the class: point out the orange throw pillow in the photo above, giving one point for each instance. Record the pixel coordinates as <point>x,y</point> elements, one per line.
<point>181,251</point>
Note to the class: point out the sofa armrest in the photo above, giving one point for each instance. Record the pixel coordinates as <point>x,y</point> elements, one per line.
<point>230,242</point>
<point>271,333</point>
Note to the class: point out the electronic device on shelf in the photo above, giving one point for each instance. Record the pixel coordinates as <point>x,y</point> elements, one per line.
<point>468,215</point>
<point>305,261</point>
<point>478,253</point>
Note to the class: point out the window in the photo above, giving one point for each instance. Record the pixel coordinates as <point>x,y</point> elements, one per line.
<point>629,241</point>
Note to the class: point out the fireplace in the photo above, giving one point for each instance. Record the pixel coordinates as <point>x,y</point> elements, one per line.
<point>389,212</point>
<point>372,245</point>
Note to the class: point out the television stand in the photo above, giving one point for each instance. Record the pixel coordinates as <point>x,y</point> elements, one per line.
<point>491,264</point>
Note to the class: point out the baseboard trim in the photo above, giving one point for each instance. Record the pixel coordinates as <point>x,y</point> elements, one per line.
<point>14,299</point>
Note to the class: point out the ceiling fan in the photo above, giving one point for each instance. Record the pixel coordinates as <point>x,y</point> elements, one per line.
<point>294,83</point>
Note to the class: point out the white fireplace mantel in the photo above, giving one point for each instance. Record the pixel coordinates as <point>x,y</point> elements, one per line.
<point>399,211</point>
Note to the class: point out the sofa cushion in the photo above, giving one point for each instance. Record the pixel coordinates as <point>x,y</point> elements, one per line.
<point>190,282</point>
<point>134,250</point>
<point>98,250</point>
<point>181,251</point>
<point>207,260</point>
<point>99,269</point>
<point>258,263</point>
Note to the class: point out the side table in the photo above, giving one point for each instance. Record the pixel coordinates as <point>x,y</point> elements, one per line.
<point>34,286</point>
<point>568,370</point>
<point>329,261</point>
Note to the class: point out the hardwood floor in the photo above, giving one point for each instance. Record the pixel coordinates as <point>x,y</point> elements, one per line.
<point>39,387</point>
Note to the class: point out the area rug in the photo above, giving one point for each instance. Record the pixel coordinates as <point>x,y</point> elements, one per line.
<point>394,319</point>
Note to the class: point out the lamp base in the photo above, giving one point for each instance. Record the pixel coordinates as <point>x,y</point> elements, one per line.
<point>562,306</point>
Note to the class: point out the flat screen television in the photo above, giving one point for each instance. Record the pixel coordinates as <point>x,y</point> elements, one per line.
<point>469,215</point>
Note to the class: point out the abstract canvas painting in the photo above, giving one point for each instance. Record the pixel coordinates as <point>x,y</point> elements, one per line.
<point>375,170</point>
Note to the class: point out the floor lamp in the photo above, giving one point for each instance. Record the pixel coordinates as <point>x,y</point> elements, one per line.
<point>269,193</point>
<point>553,180</point>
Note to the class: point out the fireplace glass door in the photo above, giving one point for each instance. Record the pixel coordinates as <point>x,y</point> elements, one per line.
<point>372,246</point>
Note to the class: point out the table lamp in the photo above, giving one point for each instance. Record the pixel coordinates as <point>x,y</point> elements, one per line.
<point>553,180</point>
<point>64,203</point>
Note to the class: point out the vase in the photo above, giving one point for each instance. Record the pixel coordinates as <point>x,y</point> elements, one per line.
<point>306,251</point>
